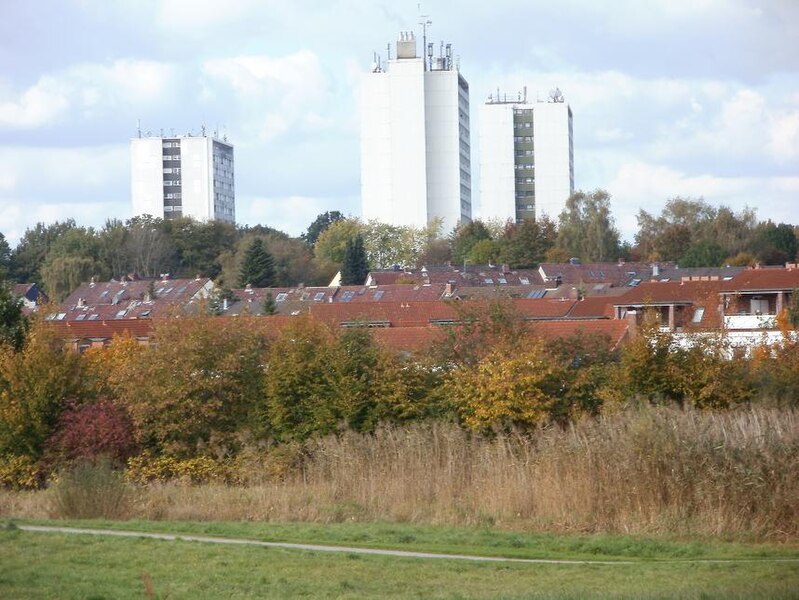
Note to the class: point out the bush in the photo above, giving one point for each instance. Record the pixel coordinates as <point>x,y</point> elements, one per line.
<point>201,469</point>
<point>92,490</point>
<point>20,473</point>
<point>90,431</point>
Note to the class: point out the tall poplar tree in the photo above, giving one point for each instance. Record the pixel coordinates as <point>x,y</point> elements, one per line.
<point>355,267</point>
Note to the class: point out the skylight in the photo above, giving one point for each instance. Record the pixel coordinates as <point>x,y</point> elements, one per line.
<point>281,297</point>
<point>319,296</point>
<point>524,281</point>
<point>379,294</point>
<point>347,296</point>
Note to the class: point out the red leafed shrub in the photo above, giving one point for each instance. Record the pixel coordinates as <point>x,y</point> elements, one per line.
<point>90,431</point>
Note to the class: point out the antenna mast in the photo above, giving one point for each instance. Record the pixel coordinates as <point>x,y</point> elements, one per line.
<point>424,21</point>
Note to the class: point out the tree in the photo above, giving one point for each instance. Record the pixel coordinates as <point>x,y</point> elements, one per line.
<point>270,306</point>
<point>5,259</point>
<point>774,244</point>
<point>526,244</point>
<point>258,268</point>
<point>510,387</point>
<point>13,323</point>
<point>355,267</point>
<point>703,254</point>
<point>464,237</point>
<point>332,242</point>
<point>320,224</point>
<point>30,253</point>
<point>586,228</point>
<point>35,384</point>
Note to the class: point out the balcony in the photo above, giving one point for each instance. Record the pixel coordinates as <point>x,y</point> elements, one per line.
<point>747,321</point>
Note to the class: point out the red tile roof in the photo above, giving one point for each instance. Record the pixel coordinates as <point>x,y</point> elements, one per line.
<point>764,279</point>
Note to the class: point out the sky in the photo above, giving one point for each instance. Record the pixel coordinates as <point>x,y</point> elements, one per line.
<point>691,98</point>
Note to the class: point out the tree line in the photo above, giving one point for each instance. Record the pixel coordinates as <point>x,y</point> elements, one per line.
<point>689,232</point>
<point>213,389</point>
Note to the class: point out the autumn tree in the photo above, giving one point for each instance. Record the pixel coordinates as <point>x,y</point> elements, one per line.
<point>510,387</point>
<point>194,387</point>
<point>35,384</point>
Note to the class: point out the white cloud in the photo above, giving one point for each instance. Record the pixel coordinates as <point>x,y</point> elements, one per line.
<point>638,184</point>
<point>271,95</point>
<point>88,90</point>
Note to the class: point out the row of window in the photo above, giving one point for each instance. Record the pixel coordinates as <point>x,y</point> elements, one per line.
<point>173,196</point>
<point>170,182</point>
<point>526,167</point>
<point>524,152</point>
<point>525,180</point>
<point>167,157</point>
<point>170,145</point>
<point>526,139</point>
<point>522,111</point>
<point>174,170</point>
<point>525,193</point>
<point>523,125</point>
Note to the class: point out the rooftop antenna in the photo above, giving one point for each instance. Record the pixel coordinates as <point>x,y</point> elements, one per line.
<point>138,127</point>
<point>424,21</point>
<point>388,50</point>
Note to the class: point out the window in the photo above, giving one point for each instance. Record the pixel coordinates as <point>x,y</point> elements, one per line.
<point>347,296</point>
<point>281,297</point>
<point>489,281</point>
<point>378,294</point>
<point>524,281</point>
<point>535,294</point>
<point>93,317</point>
<point>502,280</point>
<point>319,296</point>
<point>121,313</point>
<point>80,317</point>
<point>698,314</point>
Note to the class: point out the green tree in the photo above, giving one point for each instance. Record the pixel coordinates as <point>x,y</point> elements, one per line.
<point>704,254</point>
<point>774,244</point>
<point>464,237</point>
<point>354,268</point>
<point>320,224</point>
<point>5,258</point>
<point>269,306</point>
<point>13,323</point>
<point>258,267</point>
<point>526,244</point>
<point>29,255</point>
<point>586,228</point>
<point>332,242</point>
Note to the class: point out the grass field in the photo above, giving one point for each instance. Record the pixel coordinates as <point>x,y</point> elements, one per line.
<point>38,565</point>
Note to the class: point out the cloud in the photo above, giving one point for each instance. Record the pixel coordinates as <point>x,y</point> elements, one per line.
<point>638,184</point>
<point>271,95</point>
<point>87,90</point>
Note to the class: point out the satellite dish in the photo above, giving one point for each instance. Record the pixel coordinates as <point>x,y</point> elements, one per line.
<point>556,95</point>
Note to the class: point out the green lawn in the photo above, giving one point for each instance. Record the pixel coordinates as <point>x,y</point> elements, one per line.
<point>44,565</point>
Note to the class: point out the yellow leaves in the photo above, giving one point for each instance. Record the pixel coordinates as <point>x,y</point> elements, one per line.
<point>511,385</point>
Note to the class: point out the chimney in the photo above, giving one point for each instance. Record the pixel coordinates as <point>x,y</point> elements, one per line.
<point>655,270</point>
<point>224,304</point>
<point>81,302</point>
<point>505,269</point>
<point>248,288</point>
<point>448,290</point>
<point>93,281</point>
<point>632,323</point>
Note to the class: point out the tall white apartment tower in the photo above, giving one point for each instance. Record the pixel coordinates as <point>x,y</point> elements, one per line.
<point>183,176</point>
<point>526,157</point>
<point>415,150</point>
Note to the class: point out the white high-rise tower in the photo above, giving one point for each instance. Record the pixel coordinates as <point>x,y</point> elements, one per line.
<point>188,176</point>
<point>415,150</point>
<point>526,157</point>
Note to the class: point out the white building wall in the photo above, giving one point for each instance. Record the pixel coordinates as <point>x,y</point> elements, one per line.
<point>393,171</point>
<point>554,172</point>
<point>497,173</point>
<point>146,177</point>
<point>197,177</point>
<point>442,124</point>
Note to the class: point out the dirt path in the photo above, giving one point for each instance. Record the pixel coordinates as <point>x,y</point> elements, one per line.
<point>369,551</point>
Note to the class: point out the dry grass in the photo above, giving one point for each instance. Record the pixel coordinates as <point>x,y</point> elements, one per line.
<point>653,470</point>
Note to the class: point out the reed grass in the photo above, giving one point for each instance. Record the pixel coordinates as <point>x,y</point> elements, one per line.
<point>650,470</point>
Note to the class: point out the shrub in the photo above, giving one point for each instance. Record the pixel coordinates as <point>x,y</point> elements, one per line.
<point>92,490</point>
<point>200,469</point>
<point>20,472</point>
<point>90,431</point>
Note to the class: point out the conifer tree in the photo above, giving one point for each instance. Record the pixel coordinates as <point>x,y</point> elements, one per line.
<point>355,267</point>
<point>269,306</point>
<point>258,268</point>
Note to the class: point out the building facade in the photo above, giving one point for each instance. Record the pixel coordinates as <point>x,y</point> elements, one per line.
<point>184,176</point>
<point>526,158</point>
<point>415,148</point>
